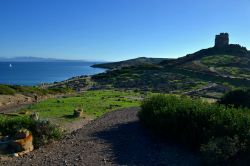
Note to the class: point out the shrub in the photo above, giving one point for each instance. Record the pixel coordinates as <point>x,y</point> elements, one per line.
<point>9,125</point>
<point>6,90</point>
<point>238,98</point>
<point>29,90</point>
<point>219,150</point>
<point>42,131</point>
<point>198,124</point>
<point>55,90</point>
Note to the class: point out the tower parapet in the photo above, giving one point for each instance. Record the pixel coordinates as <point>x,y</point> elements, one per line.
<point>222,40</point>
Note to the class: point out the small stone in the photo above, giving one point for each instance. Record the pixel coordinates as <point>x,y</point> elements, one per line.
<point>15,155</point>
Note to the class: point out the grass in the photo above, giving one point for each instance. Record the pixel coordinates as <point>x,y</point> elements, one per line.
<point>6,90</point>
<point>94,104</point>
<point>219,60</point>
<point>60,112</point>
<point>229,65</point>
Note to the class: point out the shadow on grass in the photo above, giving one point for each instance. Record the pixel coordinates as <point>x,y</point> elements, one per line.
<point>133,145</point>
<point>69,116</point>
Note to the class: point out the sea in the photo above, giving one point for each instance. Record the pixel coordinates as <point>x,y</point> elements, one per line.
<point>35,73</point>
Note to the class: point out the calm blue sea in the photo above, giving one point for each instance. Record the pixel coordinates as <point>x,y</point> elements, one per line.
<point>33,73</point>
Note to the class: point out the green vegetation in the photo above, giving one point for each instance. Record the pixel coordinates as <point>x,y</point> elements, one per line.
<point>132,62</point>
<point>237,98</point>
<point>227,67</point>
<point>93,103</point>
<point>147,78</point>
<point>232,49</point>
<point>27,90</point>
<point>221,133</point>
<point>222,60</point>
<point>42,131</point>
<point>58,112</point>
<point>6,90</point>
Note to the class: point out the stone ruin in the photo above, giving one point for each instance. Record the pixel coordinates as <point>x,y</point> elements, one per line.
<point>222,40</point>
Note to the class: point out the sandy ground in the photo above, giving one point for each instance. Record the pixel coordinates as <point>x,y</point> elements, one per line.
<point>9,103</point>
<point>9,100</point>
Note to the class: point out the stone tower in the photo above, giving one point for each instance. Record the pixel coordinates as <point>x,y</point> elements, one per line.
<point>221,40</point>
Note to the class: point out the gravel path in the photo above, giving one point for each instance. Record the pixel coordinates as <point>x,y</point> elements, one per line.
<point>115,139</point>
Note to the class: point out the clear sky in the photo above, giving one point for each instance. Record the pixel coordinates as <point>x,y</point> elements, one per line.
<point>114,30</point>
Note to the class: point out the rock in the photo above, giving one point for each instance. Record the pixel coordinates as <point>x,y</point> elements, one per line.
<point>23,142</point>
<point>15,154</point>
<point>28,99</point>
<point>78,113</point>
<point>34,116</point>
<point>23,133</point>
<point>3,147</point>
<point>35,98</point>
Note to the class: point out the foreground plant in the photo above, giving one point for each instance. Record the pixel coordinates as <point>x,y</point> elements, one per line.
<point>43,131</point>
<point>221,133</point>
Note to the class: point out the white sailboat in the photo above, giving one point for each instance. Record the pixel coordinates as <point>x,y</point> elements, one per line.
<point>10,65</point>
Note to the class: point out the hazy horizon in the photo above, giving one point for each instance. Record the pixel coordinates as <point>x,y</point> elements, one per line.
<point>117,30</point>
<point>47,58</point>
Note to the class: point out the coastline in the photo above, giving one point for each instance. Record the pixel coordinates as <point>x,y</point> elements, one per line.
<point>38,73</point>
<point>11,103</point>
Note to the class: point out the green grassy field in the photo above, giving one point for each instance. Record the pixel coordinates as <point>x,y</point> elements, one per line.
<point>94,104</point>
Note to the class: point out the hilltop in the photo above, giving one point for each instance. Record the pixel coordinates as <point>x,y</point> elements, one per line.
<point>210,72</point>
<point>224,59</point>
<point>131,62</point>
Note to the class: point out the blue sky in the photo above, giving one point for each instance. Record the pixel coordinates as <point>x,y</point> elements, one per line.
<point>114,30</point>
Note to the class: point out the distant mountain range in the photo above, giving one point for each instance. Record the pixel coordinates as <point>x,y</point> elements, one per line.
<point>37,59</point>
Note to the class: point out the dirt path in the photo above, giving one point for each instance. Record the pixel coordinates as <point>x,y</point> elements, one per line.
<point>115,139</point>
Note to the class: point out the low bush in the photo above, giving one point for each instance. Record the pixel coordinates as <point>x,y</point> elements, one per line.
<point>5,90</point>
<point>237,98</point>
<point>220,150</point>
<point>42,131</point>
<point>56,90</point>
<point>29,90</point>
<point>199,125</point>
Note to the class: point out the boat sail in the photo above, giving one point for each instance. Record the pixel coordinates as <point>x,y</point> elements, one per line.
<point>10,65</point>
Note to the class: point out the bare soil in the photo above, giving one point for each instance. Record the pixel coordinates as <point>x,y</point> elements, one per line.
<point>115,139</point>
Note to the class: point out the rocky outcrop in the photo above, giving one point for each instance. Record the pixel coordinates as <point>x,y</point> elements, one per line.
<point>34,116</point>
<point>222,40</point>
<point>21,144</point>
<point>78,113</point>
